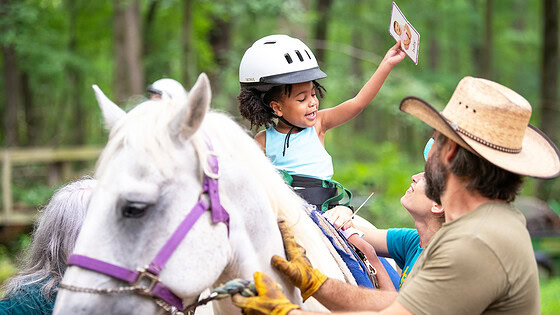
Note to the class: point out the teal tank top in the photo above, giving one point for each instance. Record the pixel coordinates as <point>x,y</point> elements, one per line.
<point>306,156</point>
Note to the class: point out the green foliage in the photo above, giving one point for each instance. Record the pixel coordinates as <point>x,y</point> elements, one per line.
<point>9,254</point>
<point>7,266</point>
<point>379,150</point>
<point>550,297</point>
<point>381,168</point>
<point>33,194</point>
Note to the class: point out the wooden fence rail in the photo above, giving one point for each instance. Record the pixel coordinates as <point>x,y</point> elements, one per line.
<point>13,157</point>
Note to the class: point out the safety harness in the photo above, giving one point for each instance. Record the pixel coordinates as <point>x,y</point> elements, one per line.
<point>322,193</point>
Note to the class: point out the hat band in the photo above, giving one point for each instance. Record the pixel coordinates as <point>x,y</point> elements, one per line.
<point>480,140</point>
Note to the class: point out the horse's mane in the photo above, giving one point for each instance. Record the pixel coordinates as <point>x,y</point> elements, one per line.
<point>284,201</point>
<point>236,141</point>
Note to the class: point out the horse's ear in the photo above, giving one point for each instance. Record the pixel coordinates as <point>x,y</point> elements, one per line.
<point>191,113</point>
<point>112,113</point>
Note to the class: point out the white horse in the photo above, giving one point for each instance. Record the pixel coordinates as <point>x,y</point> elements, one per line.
<point>151,175</point>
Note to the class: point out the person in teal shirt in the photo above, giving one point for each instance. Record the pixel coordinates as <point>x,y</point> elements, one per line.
<point>404,245</point>
<point>33,289</point>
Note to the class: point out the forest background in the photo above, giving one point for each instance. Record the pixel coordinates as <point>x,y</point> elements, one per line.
<point>54,50</point>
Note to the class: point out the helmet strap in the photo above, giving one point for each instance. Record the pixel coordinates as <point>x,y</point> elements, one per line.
<point>287,139</point>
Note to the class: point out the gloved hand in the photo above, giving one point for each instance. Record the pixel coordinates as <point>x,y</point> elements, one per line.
<point>270,299</point>
<point>297,268</point>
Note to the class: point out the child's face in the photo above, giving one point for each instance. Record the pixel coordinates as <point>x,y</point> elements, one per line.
<point>397,28</point>
<point>300,107</point>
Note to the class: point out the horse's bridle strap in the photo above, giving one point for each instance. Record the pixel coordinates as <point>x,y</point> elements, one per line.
<point>167,250</point>
<point>103,267</point>
<point>156,289</point>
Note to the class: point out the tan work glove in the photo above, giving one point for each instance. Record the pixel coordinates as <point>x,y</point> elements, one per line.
<point>270,299</point>
<point>297,268</point>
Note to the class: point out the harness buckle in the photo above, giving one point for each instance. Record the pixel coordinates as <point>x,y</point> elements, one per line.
<point>146,277</point>
<point>207,166</point>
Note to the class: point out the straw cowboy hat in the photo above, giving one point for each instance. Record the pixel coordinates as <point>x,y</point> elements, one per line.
<point>492,121</point>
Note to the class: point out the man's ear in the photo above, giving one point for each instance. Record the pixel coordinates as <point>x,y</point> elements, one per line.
<point>450,150</point>
<point>437,209</point>
<point>277,108</point>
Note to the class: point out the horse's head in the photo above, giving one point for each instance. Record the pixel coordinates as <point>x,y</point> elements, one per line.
<point>150,177</point>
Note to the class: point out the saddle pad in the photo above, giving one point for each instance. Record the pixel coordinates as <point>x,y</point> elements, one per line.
<point>354,264</point>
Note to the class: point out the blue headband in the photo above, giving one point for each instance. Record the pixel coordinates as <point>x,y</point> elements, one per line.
<point>427,148</point>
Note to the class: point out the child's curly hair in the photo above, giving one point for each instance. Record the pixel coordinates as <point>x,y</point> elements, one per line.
<point>254,104</point>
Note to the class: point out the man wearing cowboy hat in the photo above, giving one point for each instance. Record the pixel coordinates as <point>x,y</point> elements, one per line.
<point>481,261</point>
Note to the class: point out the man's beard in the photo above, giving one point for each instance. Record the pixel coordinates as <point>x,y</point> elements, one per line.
<point>436,178</point>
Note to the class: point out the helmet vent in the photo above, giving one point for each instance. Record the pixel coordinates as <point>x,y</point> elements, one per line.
<point>288,58</point>
<point>307,54</point>
<point>268,43</point>
<point>299,55</point>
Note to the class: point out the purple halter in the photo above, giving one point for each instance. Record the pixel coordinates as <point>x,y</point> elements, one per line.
<point>150,274</point>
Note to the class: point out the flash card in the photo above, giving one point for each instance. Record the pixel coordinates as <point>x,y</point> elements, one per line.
<point>402,30</point>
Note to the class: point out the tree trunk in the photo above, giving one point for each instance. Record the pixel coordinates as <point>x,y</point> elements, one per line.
<point>220,41</point>
<point>488,42</point>
<point>149,20</point>
<point>75,80</point>
<point>323,8</point>
<point>476,45</point>
<point>129,73</point>
<point>433,48</point>
<point>32,119</point>
<point>189,66</point>
<point>549,81</point>
<point>11,84</point>
<point>360,122</point>
<point>12,94</point>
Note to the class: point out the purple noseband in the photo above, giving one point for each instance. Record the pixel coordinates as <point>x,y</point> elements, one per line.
<point>150,274</point>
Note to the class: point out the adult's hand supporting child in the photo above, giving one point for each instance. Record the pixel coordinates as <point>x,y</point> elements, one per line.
<point>340,215</point>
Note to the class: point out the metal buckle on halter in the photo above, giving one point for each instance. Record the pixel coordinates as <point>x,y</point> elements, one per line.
<point>209,172</point>
<point>146,275</point>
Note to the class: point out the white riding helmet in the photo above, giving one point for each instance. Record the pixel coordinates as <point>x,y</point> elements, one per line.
<point>168,89</point>
<point>278,59</point>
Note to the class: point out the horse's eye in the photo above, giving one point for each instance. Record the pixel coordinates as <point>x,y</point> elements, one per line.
<point>134,209</point>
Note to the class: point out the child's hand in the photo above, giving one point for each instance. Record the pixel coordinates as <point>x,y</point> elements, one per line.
<point>394,56</point>
<point>339,215</point>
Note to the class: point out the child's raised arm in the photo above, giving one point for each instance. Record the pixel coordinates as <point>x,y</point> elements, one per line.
<point>336,116</point>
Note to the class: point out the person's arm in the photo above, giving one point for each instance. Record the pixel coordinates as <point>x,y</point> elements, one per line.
<point>385,282</point>
<point>260,138</point>
<point>376,237</point>
<point>394,309</point>
<point>339,296</point>
<point>333,294</point>
<point>332,117</point>
<point>271,300</point>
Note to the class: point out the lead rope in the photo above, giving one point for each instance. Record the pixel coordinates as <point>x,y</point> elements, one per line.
<point>230,288</point>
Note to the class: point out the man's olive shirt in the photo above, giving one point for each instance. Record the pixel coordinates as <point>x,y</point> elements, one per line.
<point>481,263</point>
